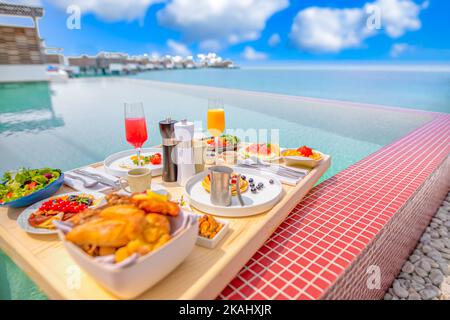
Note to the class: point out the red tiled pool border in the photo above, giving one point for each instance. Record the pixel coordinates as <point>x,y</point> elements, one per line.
<point>317,251</point>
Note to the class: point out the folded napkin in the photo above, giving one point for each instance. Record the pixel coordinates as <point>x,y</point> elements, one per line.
<point>78,185</point>
<point>276,170</point>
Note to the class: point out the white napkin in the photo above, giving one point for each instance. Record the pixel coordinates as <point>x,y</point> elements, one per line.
<point>78,185</point>
<point>286,180</point>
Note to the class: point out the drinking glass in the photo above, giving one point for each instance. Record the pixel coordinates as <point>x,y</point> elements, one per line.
<point>216,121</point>
<point>135,126</point>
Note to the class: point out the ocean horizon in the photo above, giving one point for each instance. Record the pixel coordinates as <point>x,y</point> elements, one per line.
<point>413,86</point>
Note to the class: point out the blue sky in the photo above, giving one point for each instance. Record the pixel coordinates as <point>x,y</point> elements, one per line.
<point>255,31</point>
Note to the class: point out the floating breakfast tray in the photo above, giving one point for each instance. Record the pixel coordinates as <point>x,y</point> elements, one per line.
<point>203,274</point>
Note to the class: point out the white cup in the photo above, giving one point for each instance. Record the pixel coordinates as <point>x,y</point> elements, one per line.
<point>137,180</point>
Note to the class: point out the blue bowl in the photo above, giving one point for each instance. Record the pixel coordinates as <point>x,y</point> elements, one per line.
<point>48,191</point>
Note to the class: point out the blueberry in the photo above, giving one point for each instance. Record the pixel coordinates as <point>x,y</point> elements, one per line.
<point>250,180</point>
<point>254,190</point>
<point>271,181</point>
<point>252,185</point>
<point>258,187</point>
<point>261,184</point>
<point>243,177</point>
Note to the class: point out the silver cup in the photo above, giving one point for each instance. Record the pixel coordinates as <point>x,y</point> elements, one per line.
<point>220,185</point>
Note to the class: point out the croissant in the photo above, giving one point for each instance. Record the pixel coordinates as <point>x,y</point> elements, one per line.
<point>115,227</point>
<point>162,207</point>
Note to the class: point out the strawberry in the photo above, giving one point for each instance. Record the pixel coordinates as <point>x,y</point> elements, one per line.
<point>305,151</point>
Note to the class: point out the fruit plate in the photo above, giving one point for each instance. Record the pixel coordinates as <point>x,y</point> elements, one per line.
<point>118,164</point>
<point>255,203</point>
<point>22,220</point>
<point>244,154</point>
<point>302,161</point>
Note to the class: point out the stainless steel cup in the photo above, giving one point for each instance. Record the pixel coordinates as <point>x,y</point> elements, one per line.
<point>220,185</point>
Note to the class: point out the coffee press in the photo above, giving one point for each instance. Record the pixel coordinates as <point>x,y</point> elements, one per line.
<point>169,143</point>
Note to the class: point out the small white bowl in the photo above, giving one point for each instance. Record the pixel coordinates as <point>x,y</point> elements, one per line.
<point>302,161</point>
<point>212,243</point>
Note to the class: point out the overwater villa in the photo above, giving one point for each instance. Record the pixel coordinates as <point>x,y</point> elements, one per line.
<point>215,184</point>
<point>26,58</point>
<point>21,48</point>
<point>109,63</point>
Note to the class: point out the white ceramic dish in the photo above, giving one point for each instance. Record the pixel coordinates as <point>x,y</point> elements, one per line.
<point>302,161</point>
<point>130,281</point>
<point>119,164</point>
<point>244,155</point>
<point>22,220</point>
<point>212,243</point>
<point>257,203</point>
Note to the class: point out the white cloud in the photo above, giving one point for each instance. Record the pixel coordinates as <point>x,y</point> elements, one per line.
<point>400,16</point>
<point>178,48</point>
<point>110,10</point>
<point>251,54</point>
<point>223,21</point>
<point>274,40</point>
<point>328,30</point>
<point>332,30</point>
<point>398,49</point>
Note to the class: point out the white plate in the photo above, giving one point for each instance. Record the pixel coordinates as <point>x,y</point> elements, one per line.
<point>155,187</point>
<point>302,161</point>
<point>118,164</point>
<point>212,243</point>
<point>22,220</point>
<point>255,203</point>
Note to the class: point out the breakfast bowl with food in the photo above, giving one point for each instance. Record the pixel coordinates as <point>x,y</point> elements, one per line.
<point>23,187</point>
<point>303,156</point>
<point>226,142</point>
<point>131,242</point>
<point>211,231</point>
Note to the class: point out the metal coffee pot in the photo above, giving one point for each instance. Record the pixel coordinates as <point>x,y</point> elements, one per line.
<point>221,186</point>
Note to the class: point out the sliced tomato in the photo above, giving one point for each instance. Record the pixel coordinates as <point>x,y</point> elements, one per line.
<point>155,159</point>
<point>31,185</point>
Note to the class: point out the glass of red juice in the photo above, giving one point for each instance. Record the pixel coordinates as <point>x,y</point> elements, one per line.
<point>135,126</point>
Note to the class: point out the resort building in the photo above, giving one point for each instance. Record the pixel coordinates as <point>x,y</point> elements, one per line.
<point>21,48</point>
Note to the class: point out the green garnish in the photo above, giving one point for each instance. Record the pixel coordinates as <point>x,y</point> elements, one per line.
<point>23,182</point>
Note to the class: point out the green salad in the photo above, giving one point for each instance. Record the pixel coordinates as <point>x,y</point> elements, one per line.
<point>20,183</point>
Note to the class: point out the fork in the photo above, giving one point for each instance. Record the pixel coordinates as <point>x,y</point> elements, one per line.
<point>86,184</point>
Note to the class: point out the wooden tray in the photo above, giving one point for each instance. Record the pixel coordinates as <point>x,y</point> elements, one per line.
<point>203,274</point>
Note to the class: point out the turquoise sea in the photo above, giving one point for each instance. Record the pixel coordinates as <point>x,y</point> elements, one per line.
<point>71,124</point>
<point>416,87</point>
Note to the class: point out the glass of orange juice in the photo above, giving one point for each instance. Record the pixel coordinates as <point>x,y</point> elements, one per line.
<point>216,121</point>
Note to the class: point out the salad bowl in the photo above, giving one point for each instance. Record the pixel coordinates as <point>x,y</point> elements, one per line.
<point>36,196</point>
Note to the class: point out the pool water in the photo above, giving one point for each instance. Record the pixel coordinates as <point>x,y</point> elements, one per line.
<point>67,125</point>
